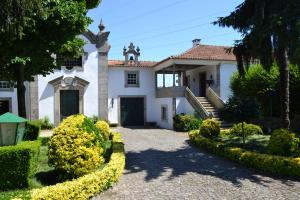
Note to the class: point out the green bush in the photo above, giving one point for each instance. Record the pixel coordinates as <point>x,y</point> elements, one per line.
<point>185,123</point>
<point>32,131</point>
<point>284,143</point>
<point>250,129</point>
<point>91,184</point>
<point>18,164</point>
<point>268,163</point>
<point>76,146</point>
<point>210,128</point>
<point>46,124</point>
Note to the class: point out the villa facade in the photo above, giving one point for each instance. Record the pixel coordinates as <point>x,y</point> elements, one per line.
<point>129,92</point>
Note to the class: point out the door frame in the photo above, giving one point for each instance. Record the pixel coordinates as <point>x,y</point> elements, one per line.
<point>132,96</point>
<point>200,81</point>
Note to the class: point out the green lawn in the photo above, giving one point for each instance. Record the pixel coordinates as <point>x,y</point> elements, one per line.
<point>256,143</point>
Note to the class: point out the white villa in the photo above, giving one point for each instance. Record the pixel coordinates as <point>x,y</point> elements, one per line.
<point>129,92</point>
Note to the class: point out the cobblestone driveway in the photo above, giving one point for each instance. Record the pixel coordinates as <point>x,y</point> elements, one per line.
<point>162,165</point>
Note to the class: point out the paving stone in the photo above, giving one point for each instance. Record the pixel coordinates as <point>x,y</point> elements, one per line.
<point>161,164</point>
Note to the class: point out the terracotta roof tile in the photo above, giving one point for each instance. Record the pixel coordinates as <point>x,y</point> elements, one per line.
<point>207,52</point>
<point>121,63</point>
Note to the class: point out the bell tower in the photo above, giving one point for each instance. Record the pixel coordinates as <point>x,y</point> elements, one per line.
<point>131,55</point>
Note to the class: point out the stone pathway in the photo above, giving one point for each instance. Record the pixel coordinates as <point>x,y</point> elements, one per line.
<point>160,164</point>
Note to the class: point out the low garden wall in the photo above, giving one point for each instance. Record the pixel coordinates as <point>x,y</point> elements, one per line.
<point>264,162</point>
<point>91,184</point>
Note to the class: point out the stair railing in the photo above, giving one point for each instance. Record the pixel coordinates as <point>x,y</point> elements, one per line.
<point>199,108</point>
<point>214,98</point>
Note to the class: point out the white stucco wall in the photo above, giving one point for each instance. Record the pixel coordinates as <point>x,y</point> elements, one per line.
<point>116,88</point>
<point>90,74</point>
<point>194,77</point>
<point>14,100</point>
<point>226,71</point>
<point>182,106</point>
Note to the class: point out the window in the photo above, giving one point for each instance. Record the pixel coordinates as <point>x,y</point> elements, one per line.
<point>164,113</point>
<point>5,85</point>
<point>132,79</point>
<point>68,63</point>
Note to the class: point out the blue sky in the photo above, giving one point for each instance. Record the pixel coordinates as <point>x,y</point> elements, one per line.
<point>162,28</point>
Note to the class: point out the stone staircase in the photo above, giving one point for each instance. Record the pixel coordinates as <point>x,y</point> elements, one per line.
<point>210,108</point>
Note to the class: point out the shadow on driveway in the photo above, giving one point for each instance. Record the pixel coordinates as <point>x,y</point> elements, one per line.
<point>189,159</point>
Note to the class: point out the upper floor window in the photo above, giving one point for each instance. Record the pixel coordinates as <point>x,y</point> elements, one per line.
<point>132,79</point>
<point>5,85</point>
<point>68,63</point>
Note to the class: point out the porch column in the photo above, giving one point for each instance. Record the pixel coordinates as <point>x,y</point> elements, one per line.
<point>164,80</point>
<point>174,83</point>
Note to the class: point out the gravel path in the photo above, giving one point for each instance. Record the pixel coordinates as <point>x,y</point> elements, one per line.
<point>160,164</point>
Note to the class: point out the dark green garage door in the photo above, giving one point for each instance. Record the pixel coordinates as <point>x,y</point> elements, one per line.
<point>132,111</point>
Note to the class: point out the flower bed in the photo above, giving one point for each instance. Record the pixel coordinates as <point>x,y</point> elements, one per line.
<point>265,162</point>
<point>91,184</point>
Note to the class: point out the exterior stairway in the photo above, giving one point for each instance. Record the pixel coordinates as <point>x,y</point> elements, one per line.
<point>210,108</point>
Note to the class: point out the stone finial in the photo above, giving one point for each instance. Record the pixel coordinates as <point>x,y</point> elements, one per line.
<point>101,26</point>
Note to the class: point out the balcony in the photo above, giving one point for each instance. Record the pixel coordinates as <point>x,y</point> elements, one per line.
<point>177,91</point>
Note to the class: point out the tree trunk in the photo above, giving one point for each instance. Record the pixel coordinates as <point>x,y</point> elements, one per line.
<point>243,132</point>
<point>281,57</point>
<point>21,91</point>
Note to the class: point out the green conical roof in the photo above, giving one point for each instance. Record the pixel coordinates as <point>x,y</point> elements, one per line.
<point>11,118</point>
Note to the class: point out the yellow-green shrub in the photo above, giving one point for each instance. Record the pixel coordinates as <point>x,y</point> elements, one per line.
<point>104,128</point>
<point>210,128</point>
<point>265,162</point>
<point>283,143</point>
<point>75,147</point>
<point>91,184</point>
<point>249,129</point>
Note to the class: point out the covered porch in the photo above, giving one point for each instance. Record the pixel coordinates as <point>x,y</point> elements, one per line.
<point>173,76</point>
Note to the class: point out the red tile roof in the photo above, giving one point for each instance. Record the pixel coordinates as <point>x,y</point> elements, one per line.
<point>207,52</point>
<point>121,63</point>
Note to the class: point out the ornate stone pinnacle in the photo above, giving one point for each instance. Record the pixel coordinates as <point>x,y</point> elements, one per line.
<point>101,26</point>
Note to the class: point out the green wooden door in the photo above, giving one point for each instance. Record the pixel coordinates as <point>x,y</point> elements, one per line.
<point>69,103</point>
<point>132,112</point>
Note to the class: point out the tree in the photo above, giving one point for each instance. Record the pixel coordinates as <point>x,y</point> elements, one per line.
<point>271,32</point>
<point>240,110</point>
<point>43,29</point>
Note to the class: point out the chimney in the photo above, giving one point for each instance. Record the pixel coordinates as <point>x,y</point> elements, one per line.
<point>196,42</point>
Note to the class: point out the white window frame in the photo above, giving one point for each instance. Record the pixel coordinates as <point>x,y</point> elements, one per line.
<point>137,73</point>
<point>11,88</point>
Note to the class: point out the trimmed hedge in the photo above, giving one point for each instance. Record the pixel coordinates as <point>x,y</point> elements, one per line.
<point>264,162</point>
<point>210,128</point>
<point>91,184</point>
<point>185,123</point>
<point>76,147</point>
<point>32,130</point>
<point>18,164</point>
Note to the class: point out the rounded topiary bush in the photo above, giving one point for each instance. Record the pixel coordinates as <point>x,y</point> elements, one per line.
<point>103,126</point>
<point>210,128</point>
<point>75,146</point>
<point>249,129</point>
<point>284,143</point>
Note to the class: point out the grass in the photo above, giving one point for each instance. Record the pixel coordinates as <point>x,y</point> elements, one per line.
<point>256,143</point>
